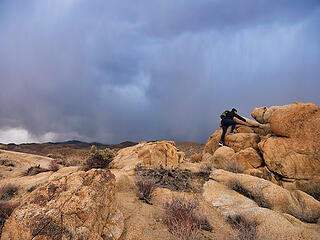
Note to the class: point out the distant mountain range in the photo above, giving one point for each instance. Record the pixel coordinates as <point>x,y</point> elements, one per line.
<point>46,148</point>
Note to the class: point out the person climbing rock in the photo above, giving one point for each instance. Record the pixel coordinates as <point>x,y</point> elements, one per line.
<point>227,120</point>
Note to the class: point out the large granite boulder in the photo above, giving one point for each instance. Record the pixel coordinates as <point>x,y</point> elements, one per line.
<point>152,154</point>
<point>294,149</point>
<point>78,206</point>
<point>245,161</point>
<point>222,157</point>
<point>249,157</point>
<point>237,142</point>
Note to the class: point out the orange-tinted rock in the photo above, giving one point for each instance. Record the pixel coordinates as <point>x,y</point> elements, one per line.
<point>151,154</point>
<point>249,155</point>
<point>79,206</point>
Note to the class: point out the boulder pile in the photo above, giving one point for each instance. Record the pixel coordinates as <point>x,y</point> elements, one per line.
<point>151,154</point>
<point>283,146</point>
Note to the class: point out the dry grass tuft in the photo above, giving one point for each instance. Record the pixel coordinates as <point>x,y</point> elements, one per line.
<point>234,166</point>
<point>54,166</point>
<point>247,229</point>
<point>257,196</point>
<point>195,158</point>
<point>235,185</point>
<point>145,186</point>
<point>72,160</point>
<point>174,179</point>
<point>184,219</point>
<point>6,163</point>
<point>31,189</point>
<point>35,170</point>
<point>8,191</point>
<point>205,168</point>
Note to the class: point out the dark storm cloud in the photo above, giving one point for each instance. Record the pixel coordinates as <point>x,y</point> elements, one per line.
<point>166,18</point>
<point>112,70</point>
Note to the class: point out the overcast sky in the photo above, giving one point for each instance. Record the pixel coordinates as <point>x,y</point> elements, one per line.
<point>111,71</point>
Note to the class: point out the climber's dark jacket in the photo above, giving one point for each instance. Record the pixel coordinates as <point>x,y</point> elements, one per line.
<point>231,115</point>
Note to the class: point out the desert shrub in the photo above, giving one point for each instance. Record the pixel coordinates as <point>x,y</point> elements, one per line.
<point>234,166</point>
<point>145,186</point>
<point>246,229</point>
<point>235,185</point>
<point>184,219</point>
<point>31,171</point>
<point>6,208</point>
<point>197,157</point>
<point>206,167</point>
<point>8,191</point>
<point>204,173</point>
<point>259,198</point>
<point>31,189</point>
<point>175,179</point>
<point>99,158</point>
<point>6,163</point>
<point>72,160</point>
<point>54,166</point>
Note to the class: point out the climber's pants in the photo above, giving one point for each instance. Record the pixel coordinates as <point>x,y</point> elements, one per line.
<point>225,123</point>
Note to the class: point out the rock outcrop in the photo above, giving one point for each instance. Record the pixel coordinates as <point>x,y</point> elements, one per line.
<point>152,154</point>
<point>237,142</point>
<point>249,158</point>
<point>279,212</point>
<point>15,164</point>
<point>283,143</point>
<point>272,196</point>
<point>294,150</point>
<point>78,206</point>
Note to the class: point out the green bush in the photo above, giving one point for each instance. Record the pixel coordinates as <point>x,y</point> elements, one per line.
<point>99,158</point>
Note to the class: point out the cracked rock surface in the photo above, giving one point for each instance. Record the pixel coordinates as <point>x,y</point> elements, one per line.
<point>78,206</point>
